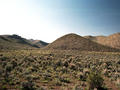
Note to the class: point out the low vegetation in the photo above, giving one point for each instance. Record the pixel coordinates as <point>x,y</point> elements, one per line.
<point>95,80</point>
<point>58,70</point>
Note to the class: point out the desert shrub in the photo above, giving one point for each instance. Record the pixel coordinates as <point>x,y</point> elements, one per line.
<point>29,77</point>
<point>7,70</point>
<point>59,63</point>
<point>1,54</point>
<point>30,59</point>
<point>77,87</point>
<point>73,67</point>
<point>65,80</point>
<point>82,77</point>
<point>108,63</point>
<point>64,70</point>
<point>40,88</point>
<point>8,67</point>
<point>65,64</point>
<point>4,58</point>
<point>28,86</point>
<point>11,82</point>
<point>4,64</point>
<point>14,63</point>
<point>118,62</point>
<point>95,80</point>
<point>57,82</point>
<point>3,87</point>
<point>1,71</point>
<point>47,77</point>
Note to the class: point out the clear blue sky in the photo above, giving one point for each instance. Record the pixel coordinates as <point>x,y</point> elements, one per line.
<point>49,19</point>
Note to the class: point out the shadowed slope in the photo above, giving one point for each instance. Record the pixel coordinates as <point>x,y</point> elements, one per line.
<point>39,43</point>
<point>15,42</point>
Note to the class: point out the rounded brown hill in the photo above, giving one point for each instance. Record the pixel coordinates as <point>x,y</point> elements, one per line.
<point>76,42</point>
<point>96,38</point>
<point>111,41</point>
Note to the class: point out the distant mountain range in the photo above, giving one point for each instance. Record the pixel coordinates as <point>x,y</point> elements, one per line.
<point>66,42</point>
<point>17,42</point>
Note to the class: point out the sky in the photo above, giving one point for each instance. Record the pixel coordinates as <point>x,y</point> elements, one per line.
<point>48,20</point>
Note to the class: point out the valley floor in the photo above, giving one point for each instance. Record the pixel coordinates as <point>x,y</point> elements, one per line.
<point>57,70</point>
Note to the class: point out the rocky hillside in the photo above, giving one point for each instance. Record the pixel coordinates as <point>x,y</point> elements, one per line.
<point>111,40</point>
<point>76,42</point>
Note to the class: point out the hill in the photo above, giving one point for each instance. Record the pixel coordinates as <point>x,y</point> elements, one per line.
<point>95,38</point>
<point>111,40</point>
<point>39,43</point>
<point>76,42</point>
<point>15,42</point>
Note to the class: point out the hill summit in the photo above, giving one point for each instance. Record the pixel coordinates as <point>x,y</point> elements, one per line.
<point>75,42</point>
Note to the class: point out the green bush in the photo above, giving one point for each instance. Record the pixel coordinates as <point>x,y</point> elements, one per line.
<point>95,80</point>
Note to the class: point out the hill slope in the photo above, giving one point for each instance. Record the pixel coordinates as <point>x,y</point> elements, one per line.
<point>111,40</point>
<point>39,43</point>
<point>16,42</point>
<point>76,42</point>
